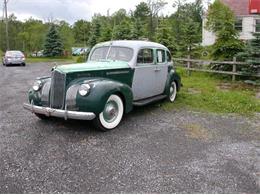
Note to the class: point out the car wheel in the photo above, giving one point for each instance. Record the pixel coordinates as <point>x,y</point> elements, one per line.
<point>173,92</point>
<point>23,64</point>
<point>111,115</point>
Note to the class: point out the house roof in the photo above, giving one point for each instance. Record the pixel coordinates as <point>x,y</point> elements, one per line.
<point>239,7</point>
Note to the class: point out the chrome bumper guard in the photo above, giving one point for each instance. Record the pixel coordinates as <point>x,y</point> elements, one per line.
<point>66,114</point>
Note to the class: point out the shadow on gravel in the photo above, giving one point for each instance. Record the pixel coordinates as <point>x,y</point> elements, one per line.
<point>14,65</point>
<point>86,128</point>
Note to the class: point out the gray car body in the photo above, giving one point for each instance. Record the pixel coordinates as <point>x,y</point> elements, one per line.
<point>149,79</point>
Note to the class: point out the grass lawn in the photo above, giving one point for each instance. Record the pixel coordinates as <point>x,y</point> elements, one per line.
<point>210,93</point>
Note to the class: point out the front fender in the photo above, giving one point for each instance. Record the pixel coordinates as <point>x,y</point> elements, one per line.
<point>36,96</point>
<point>100,91</point>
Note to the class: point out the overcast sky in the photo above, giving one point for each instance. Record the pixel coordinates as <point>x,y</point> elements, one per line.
<point>72,10</point>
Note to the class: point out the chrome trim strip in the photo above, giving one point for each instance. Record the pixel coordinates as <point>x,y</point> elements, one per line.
<point>117,72</point>
<point>59,113</point>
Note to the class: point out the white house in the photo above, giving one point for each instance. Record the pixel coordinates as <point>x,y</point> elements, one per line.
<point>247,13</point>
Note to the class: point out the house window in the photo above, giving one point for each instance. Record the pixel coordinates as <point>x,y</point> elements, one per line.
<point>257,25</point>
<point>239,25</point>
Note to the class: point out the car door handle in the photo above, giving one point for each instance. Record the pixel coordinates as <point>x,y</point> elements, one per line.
<point>157,69</point>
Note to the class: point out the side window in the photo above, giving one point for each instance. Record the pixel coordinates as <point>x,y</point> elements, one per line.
<point>168,56</point>
<point>145,56</point>
<point>160,56</point>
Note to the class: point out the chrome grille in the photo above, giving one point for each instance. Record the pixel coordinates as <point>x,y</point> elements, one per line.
<point>46,93</point>
<point>57,89</point>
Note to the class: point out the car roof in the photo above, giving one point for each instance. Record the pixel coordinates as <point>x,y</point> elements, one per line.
<point>135,44</point>
<point>13,51</point>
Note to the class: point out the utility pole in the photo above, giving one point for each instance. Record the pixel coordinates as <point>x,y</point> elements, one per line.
<point>6,25</point>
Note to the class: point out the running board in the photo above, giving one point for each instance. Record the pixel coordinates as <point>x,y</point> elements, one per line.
<point>148,100</point>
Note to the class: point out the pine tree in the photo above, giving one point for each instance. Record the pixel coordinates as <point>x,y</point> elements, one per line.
<point>122,31</point>
<point>163,36</point>
<point>106,33</point>
<point>95,33</point>
<point>189,37</point>
<point>221,20</point>
<point>137,30</point>
<point>251,55</point>
<point>53,45</point>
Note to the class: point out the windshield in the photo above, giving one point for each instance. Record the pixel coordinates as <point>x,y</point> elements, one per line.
<point>112,53</point>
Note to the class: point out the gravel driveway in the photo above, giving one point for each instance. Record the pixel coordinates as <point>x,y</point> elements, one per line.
<point>152,151</point>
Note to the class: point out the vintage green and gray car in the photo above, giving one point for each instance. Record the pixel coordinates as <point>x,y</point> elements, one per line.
<point>117,76</point>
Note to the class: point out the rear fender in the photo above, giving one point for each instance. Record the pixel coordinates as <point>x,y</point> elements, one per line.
<point>172,76</point>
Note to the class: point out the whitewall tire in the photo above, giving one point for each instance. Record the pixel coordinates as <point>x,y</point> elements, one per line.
<point>173,92</point>
<point>111,115</point>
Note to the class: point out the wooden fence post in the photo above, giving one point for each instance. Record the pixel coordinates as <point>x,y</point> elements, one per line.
<point>188,65</point>
<point>234,70</point>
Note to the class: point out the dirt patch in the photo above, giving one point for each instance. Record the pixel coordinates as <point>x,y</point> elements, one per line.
<point>235,86</point>
<point>257,95</point>
<point>196,131</point>
<point>224,86</point>
<point>193,91</point>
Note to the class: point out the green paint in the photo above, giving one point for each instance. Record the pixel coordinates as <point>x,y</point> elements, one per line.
<point>172,76</point>
<point>93,66</point>
<point>124,75</point>
<point>100,91</point>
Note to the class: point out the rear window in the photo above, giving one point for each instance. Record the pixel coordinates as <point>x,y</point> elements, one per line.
<point>14,53</point>
<point>168,56</point>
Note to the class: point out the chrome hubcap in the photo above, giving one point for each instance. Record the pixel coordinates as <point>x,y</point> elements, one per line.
<point>172,92</point>
<point>111,111</point>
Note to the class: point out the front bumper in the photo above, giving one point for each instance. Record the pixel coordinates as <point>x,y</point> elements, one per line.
<point>66,114</point>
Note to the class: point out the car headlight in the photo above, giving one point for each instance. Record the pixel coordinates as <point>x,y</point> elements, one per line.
<point>84,89</point>
<point>37,85</point>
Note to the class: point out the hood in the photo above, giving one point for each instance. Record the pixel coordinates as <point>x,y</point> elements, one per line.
<point>92,66</point>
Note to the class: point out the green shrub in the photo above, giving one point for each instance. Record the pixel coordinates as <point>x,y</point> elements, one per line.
<point>81,59</point>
